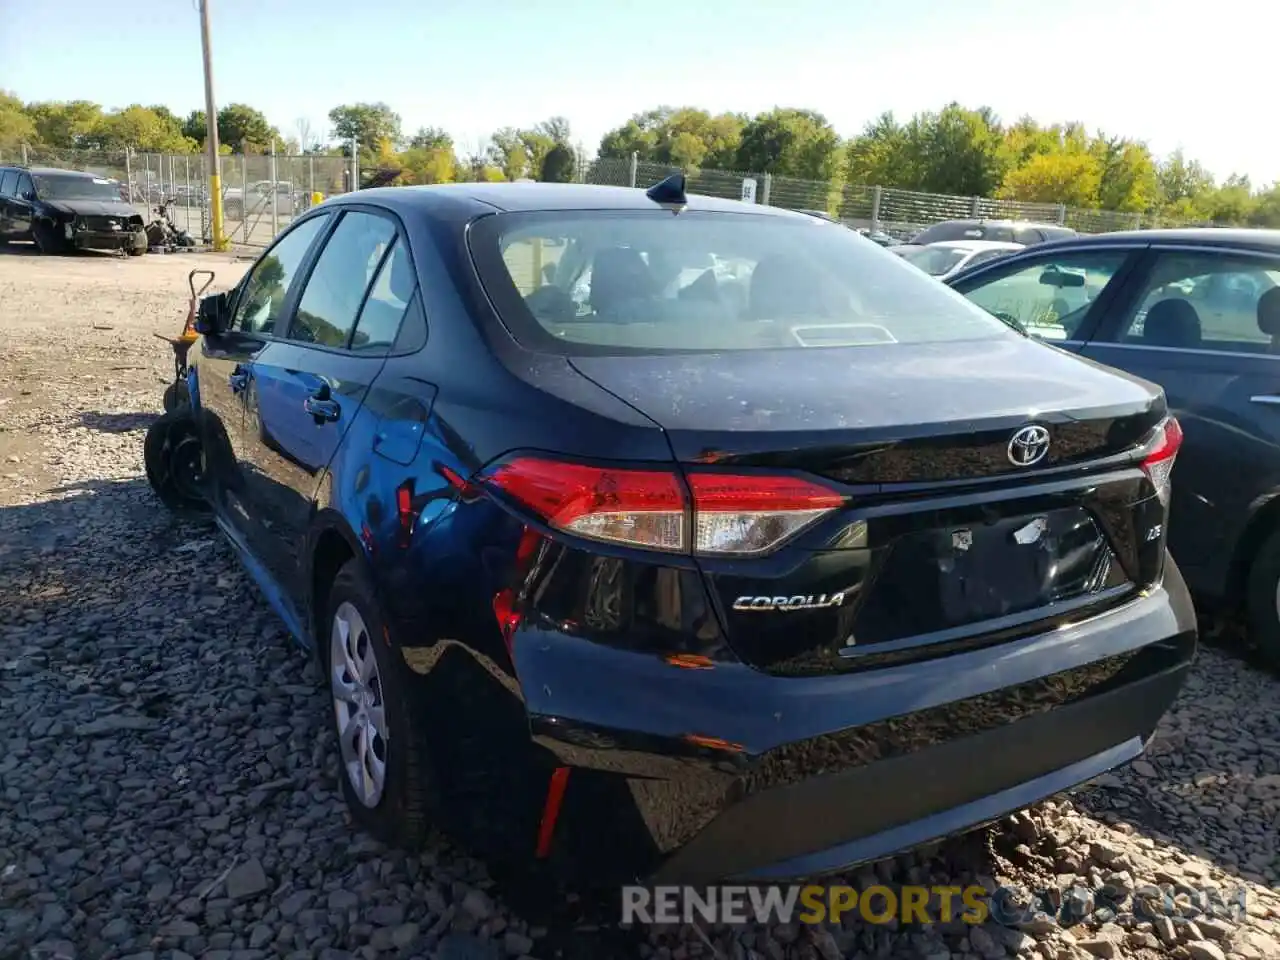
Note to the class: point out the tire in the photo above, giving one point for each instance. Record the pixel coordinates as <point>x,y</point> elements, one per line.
<point>404,810</point>
<point>139,244</point>
<point>176,395</point>
<point>1263,599</point>
<point>48,240</point>
<point>175,463</point>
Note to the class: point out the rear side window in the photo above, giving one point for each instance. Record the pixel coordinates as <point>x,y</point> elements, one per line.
<point>649,282</point>
<point>388,301</point>
<point>7,180</point>
<point>950,231</point>
<point>335,290</point>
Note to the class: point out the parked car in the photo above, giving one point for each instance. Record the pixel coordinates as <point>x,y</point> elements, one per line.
<point>631,573</point>
<point>63,210</point>
<point>1196,311</point>
<point>947,258</point>
<point>1003,231</point>
<point>258,202</point>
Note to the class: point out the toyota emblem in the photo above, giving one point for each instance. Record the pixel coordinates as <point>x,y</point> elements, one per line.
<point>1029,446</point>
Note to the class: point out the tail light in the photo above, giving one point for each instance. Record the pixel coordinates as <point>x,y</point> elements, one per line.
<point>717,514</point>
<point>1162,449</point>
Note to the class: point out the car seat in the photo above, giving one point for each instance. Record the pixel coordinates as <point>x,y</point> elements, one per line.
<point>619,276</point>
<point>1269,316</point>
<point>784,287</point>
<point>1172,323</point>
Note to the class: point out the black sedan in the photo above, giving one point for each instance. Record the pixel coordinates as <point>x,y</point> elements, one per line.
<point>686,537</point>
<point>1198,312</point>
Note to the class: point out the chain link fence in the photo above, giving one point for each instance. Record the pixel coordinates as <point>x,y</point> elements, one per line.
<point>900,213</point>
<point>261,194</point>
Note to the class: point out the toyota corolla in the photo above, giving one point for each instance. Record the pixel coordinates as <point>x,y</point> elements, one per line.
<point>699,536</point>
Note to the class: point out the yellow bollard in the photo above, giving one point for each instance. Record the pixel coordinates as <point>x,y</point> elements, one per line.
<point>317,198</point>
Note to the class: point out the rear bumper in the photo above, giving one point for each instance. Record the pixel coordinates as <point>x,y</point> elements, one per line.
<point>737,774</point>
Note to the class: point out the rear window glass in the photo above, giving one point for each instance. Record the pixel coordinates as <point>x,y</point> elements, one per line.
<point>936,260</point>
<point>652,282</point>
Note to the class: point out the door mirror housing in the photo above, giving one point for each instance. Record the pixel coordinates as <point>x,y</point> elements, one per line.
<point>213,315</point>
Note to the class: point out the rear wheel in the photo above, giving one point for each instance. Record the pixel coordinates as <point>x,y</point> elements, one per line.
<point>1264,599</point>
<point>175,462</point>
<point>138,245</point>
<point>386,773</point>
<point>176,395</point>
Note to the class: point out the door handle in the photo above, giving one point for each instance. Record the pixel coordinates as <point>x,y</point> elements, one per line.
<point>1267,399</point>
<point>321,407</point>
<point>239,379</point>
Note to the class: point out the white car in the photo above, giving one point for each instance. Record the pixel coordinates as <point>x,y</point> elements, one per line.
<point>948,257</point>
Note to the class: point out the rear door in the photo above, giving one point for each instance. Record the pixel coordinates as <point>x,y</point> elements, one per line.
<point>20,206</point>
<point>1221,374</point>
<point>8,178</point>
<point>306,389</point>
<point>1055,296</point>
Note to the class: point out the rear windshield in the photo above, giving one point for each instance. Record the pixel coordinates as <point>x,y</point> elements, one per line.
<point>575,282</point>
<point>936,260</point>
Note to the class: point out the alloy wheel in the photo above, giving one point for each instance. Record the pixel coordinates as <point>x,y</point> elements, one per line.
<point>358,705</point>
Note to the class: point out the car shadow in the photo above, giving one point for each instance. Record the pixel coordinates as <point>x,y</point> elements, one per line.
<point>117,422</point>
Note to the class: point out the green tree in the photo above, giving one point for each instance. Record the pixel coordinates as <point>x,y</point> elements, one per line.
<point>245,129</point>
<point>556,129</point>
<point>789,142</point>
<point>429,164</point>
<point>16,128</point>
<point>1071,177</point>
<point>139,128</point>
<point>64,125</point>
<point>559,165</point>
<point>1182,179</point>
<point>507,152</point>
<point>366,123</point>
<point>1232,203</point>
<point>956,151</point>
<point>429,138</point>
<point>879,157</point>
<point>1128,183</point>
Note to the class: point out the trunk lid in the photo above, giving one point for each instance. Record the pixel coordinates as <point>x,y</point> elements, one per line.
<point>944,542</point>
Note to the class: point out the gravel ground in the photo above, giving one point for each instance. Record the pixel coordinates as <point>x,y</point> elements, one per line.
<point>168,785</point>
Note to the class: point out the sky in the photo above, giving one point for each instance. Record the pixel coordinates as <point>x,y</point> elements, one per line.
<point>1175,73</point>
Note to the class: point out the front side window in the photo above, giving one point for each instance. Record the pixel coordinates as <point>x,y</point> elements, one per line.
<point>648,281</point>
<point>264,291</point>
<point>55,186</point>
<point>1048,297</point>
<point>1206,301</point>
<point>343,271</point>
<point>23,189</point>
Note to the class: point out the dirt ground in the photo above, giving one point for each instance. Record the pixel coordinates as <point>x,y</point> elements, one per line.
<point>168,782</point>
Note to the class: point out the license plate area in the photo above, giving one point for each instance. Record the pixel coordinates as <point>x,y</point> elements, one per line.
<point>939,579</point>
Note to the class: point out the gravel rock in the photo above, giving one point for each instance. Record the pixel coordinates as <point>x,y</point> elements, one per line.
<point>141,761</point>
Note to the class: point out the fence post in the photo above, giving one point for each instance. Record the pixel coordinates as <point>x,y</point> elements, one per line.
<point>24,155</point>
<point>128,171</point>
<point>975,207</point>
<point>311,178</point>
<point>875,208</point>
<point>275,194</point>
<point>186,193</point>
<point>635,168</point>
<point>1062,214</point>
<point>768,188</point>
<point>244,196</point>
<point>355,165</point>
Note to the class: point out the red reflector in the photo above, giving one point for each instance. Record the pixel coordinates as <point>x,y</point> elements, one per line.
<point>551,811</point>
<point>404,501</point>
<point>724,493</point>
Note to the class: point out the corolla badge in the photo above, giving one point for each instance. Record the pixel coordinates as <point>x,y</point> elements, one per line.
<point>818,601</point>
<point>1029,446</point>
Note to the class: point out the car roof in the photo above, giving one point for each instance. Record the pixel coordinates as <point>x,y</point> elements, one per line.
<point>47,171</point>
<point>975,246</point>
<point>1238,237</point>
<point>478,198</point>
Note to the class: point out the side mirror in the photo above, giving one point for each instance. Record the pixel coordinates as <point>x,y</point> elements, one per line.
<point>212,315</point>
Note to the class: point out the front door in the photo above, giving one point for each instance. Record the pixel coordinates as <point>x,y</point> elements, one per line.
<point>306,390</point>
<point>1204,325</point>
<point>223,379</point>
<point>20,205</point>
<point>1056,296</point>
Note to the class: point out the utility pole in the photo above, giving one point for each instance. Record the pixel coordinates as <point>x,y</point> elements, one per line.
<point>211,133</point>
